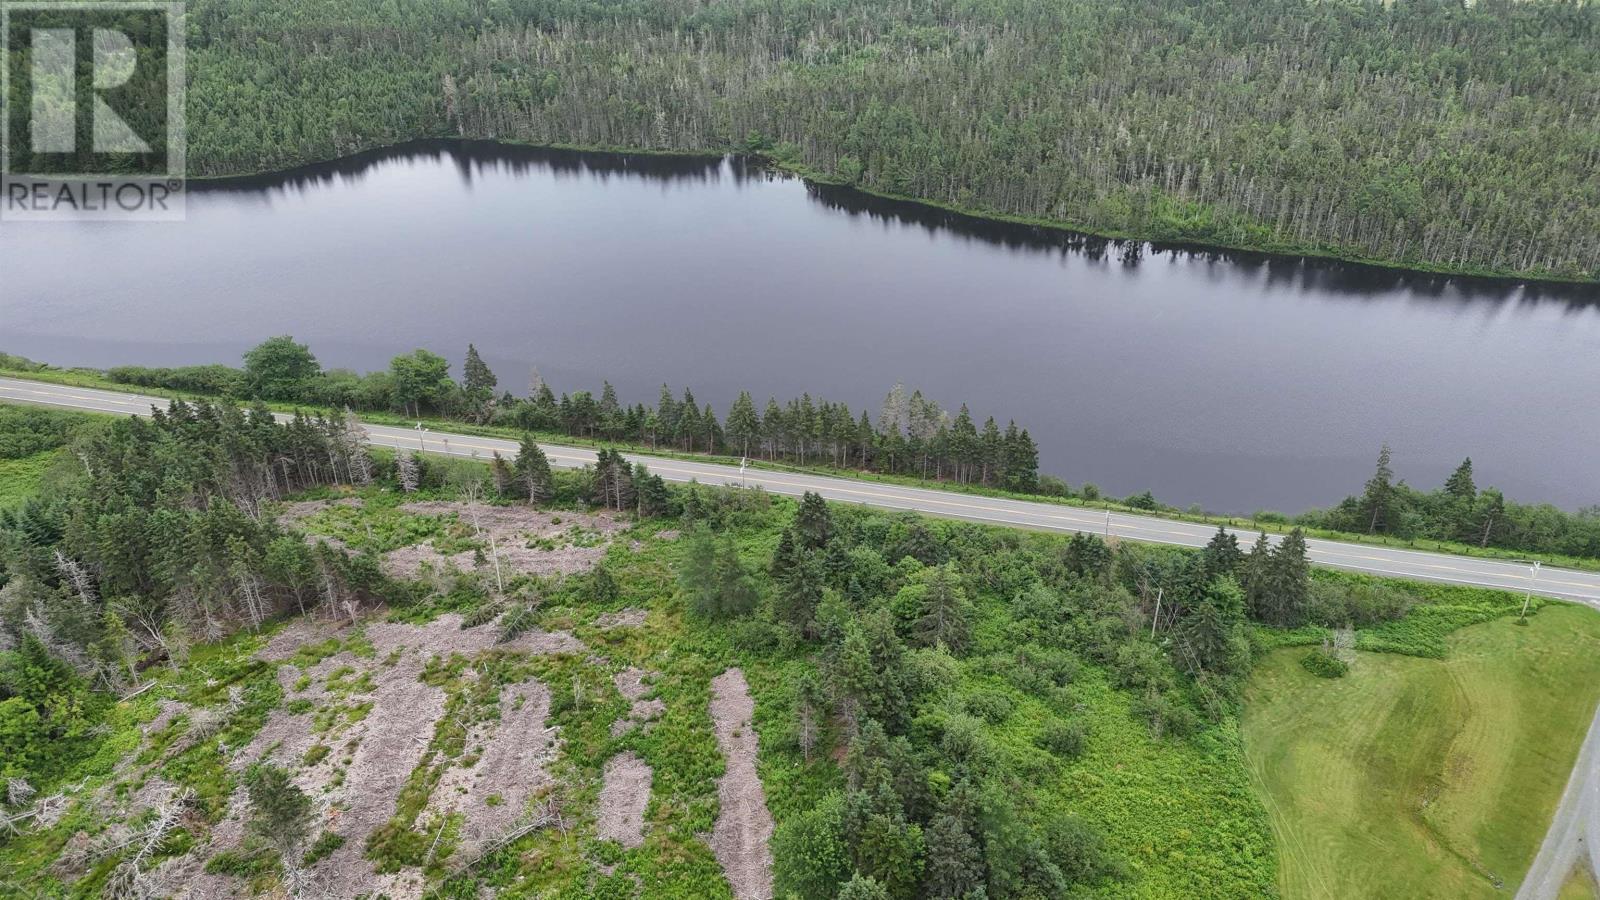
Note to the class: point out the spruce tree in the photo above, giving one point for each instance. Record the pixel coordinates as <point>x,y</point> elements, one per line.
<point>945,616</point>
<point>1221,555</point>
<point>281,812</point>
<point>813,524</point>
<point>1378,497</point>
<point>1256,579</point>
<point>736,591</point>
<point>1210,635</point>
<point>698,573</point>
<point>477,381</point>
<point>1460,485</point>
<point>1291,580</point>
<point>532,467</point>
<point>744,424</point>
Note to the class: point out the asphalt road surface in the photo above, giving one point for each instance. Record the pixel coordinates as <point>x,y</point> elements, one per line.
<point>1563,584</point>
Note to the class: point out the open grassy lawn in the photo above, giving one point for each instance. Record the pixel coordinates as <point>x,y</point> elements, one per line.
<point>1423,778</point>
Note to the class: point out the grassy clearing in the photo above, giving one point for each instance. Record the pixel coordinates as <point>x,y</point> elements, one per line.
<point>1417,777</point>
<point>21,477</point>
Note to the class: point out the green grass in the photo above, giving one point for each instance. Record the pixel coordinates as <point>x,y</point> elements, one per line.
<point>21,477</point>
<point>1418,777</point>
<point>1580,885</point>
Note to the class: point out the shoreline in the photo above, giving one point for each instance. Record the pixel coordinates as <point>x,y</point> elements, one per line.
<point>1586,290</point>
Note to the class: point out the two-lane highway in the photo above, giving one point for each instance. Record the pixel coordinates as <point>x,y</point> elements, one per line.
<point>1565,584</point>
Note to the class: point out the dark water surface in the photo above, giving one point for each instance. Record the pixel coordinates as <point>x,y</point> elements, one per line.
<point>1234,381</point>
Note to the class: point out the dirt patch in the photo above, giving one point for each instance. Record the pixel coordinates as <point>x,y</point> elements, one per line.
<point>527,540</point>
<point>623,797</point>
<point>632,617</point>
<point>744,826</point>
<point>357,780</point>
<point>630,684</point>
<point>167,711</point>
<point>493,794</point>
<point>305,509</point>
<point>303,630</point>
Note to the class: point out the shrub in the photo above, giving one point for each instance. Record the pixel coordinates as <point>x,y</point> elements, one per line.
<point>990,706</point>
<point>1064,739</point>
<point>1324,664</point>
<point>755,635</point>
<point>326,843</point>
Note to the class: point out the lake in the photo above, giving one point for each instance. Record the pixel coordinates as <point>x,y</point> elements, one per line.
<point>1234,381</point>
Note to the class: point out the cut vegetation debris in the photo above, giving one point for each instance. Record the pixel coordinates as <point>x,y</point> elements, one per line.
<point>744,826</point>
<point>503,768</point>
<point>624,795</point>
<point>1418,777</point>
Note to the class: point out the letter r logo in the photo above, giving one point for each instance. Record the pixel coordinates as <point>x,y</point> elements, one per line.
<point>55,101</point>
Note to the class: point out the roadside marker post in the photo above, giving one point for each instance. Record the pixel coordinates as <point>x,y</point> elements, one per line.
<point>1533,575</point>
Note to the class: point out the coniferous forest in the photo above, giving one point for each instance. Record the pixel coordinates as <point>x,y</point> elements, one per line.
<point>1433,134</point>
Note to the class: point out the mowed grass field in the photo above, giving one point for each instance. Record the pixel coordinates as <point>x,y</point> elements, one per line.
<point>1423,778</point>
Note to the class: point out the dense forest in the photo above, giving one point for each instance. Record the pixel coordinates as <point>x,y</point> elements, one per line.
<point>946,710</point>
<point>1437,134</point>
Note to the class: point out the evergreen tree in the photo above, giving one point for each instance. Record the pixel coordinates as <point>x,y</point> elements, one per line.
<point>1377,499</point>
<point>1460,485</point>
<point>1221,555</point>
<point>955,867</point>
<point>477,384</point>
<point>654,499</point>
<point>281,812</point>
<point>698,573</point>
<point>799,590</point>
<point>736,590</point>
<point>945,615</point>
<point>1210,636</point>
<point>1087,556</point>
<point>813,525</point>
<point>1287,582</point>
<point>1256,579</point>
<point>991,447</point>
<point>532,467</point>
<point>744,423</point>
<point>610,413</point>
<point>506,483</point>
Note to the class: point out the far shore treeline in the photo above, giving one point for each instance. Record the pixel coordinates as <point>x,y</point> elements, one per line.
<point>911,436</point>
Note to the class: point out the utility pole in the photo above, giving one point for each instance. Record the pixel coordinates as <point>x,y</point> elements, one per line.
<point>1108,523</point>
<point>1533,575</point>
<point>1157,617</point>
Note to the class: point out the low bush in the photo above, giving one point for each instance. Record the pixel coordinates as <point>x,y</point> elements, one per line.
<point>1324,665</point>
<point>1064,739</point>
